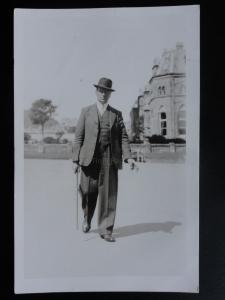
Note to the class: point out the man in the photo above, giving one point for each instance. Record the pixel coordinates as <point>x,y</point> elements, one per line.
<point>100,142</point>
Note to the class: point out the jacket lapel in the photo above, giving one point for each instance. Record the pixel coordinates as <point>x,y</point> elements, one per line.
<point>94,114</point>
<point>112,116</point>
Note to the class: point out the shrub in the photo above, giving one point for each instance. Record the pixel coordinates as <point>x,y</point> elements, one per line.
<point>64,141</point>
<point>27,137</point>
<point>59,134</point>
<point>50,140</point>
<point>158,139</point>
<point>177,141</point>
<point>136,140</point>
<point>71,129</point>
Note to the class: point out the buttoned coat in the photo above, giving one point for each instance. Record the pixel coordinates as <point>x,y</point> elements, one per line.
<point>86,135</point>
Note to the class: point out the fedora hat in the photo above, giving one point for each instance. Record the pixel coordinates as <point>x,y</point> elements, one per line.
<point>105,83</point>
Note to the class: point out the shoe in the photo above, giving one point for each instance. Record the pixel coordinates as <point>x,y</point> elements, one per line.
<point>86,226</point>
<point>108,237</point>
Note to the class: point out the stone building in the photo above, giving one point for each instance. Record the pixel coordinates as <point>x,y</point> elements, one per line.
<point>160,109</point>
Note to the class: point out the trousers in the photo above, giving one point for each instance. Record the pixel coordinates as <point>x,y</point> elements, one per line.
<point>99,180</point>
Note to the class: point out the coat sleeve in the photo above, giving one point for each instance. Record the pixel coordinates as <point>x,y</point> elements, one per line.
<point>126,149</point>
<point>79,137</point>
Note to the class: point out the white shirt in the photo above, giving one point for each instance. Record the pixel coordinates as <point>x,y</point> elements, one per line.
<point>101,107</point>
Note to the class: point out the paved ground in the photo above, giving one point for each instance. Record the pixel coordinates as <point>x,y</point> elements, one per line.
<point>150,224</point>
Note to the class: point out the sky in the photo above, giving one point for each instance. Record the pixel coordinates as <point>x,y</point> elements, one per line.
<point>60,54</point>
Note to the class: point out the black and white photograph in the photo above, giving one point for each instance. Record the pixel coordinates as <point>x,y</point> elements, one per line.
<point>106,149</point>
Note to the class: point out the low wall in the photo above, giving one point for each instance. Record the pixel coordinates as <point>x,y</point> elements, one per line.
<point>141,152</point>
<point>159,148</point>
<point>48,151</point>
<point>159,152</point>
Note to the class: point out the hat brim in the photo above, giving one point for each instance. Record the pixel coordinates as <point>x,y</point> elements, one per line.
<point>103,87</point>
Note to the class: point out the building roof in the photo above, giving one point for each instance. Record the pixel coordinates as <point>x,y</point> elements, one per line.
<point>171,61</point>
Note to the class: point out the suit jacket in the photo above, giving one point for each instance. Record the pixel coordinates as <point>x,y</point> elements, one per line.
<point>87,130</point>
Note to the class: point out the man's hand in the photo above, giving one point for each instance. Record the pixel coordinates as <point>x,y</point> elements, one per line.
<point>133,164</point>
<point>75,167</point>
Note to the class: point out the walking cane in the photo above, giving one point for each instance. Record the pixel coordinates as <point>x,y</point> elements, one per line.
<point>77,200</point>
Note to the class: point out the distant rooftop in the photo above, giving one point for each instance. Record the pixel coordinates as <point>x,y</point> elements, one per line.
<point>171,61</point>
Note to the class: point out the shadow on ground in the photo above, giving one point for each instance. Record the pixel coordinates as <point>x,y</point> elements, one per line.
<point>130,230</point>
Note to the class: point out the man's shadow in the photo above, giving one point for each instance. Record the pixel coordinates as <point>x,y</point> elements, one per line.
<point>130,230</point>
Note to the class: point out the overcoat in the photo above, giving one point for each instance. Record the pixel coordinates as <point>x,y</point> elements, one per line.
<point>87,133</point>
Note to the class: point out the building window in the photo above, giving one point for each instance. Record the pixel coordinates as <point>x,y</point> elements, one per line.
<point>163,123</point>
<point>147,123</point>
<point>163,90</point>
<point>147,119</point>
<point>159,90</point>
<point>182,121</point>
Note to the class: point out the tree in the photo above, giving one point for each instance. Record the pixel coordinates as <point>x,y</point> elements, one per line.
<point>27,137</point>
<point>41,111</point>
<point>69,125</point>
<point>59,134</point>
<point>71,129</point>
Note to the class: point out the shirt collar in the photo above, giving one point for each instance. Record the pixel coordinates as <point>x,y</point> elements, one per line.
<point>101,107</point>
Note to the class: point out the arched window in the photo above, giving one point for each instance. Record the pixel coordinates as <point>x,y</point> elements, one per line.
<point>181,120</point>
<point>163,121</point>
<point>163,90</point>
<point>159,90</point>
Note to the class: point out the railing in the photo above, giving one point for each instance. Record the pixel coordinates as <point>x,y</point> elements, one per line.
<point>171,147</point>
<point>159,152</point>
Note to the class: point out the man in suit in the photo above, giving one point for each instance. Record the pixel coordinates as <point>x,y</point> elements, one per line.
<point>101,142</point>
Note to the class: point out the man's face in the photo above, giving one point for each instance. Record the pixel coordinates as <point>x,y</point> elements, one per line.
<point>103,95</point>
